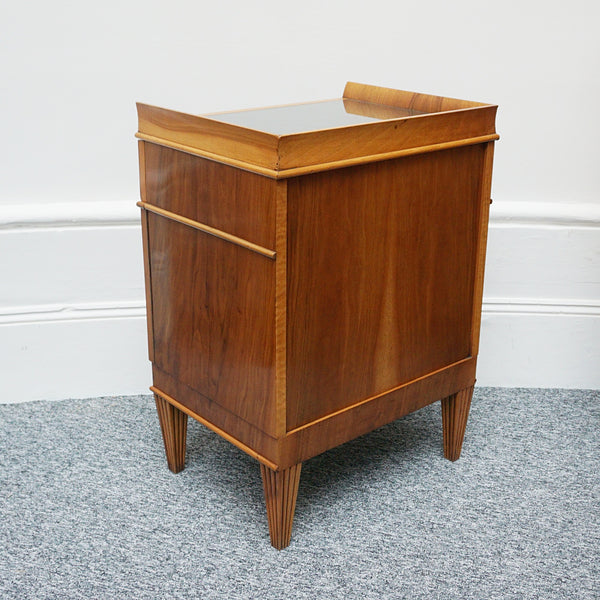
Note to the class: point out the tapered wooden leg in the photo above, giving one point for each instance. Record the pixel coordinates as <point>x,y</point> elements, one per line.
<point>173,424</point>
<point>455,411</point>
<point>281,490</point>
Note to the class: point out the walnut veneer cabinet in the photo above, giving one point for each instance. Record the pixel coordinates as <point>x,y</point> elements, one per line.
<point>314,271</point>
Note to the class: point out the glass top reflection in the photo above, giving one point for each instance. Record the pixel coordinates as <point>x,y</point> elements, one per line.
<point>299,118</point>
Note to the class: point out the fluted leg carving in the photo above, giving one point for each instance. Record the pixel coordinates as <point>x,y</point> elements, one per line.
<point>173,424</point>
<point>455,411</point>
<point>281,490</point>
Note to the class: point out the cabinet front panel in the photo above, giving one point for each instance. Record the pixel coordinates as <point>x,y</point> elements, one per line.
<point>214,318</point>
<point>381,262</point>
<point>220,196</point>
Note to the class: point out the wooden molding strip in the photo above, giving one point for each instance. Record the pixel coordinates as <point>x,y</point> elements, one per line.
<point>328,166</point>
<point>218,430</point>
<point>234,162</point>
<point>207,229</point>
<point>349,162</point>
<point>377,396</point>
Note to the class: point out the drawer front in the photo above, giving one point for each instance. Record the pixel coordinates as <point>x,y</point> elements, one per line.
<point>237,202</point>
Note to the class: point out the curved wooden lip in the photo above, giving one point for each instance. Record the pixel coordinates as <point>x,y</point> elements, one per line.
<point>428,103</point>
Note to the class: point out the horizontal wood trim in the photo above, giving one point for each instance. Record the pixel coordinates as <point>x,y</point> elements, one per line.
<point>326,166</point>
<point>255,438</point>
<point>213,427</point>
<point>339,164</point>
<point>376,397</point>
<point>361,418</point>
<point>371,141</point>
<point>207,229</point>
<point>226,160</point>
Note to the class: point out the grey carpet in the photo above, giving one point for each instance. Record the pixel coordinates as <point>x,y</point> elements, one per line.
<point>89,510</point>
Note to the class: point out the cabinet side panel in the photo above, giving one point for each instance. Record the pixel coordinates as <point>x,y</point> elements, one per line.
<point>381,263</point>
<point>220,196</point>
<point>214,319</point>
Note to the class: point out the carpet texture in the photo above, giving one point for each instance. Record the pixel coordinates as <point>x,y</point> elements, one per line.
<point>89,510</point>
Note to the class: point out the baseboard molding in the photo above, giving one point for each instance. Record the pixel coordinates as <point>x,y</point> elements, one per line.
<point>51,313</point>
<point>541,350</point>
<point>68,214</point>
<point>544,306</point>
<point>563,214</point>
<point>50,358</point>
<point>72,311</point>
<point>115,212</point>
<point>58,359</point>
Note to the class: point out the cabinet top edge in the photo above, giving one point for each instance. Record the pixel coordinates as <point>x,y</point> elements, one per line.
<point>367,121</point>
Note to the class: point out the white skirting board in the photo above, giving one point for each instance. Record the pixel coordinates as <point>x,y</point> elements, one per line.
<point>72,316</point>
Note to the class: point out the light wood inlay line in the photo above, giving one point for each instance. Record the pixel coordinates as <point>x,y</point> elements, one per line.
<point>207,229</point>
<point>212,427</point>
<point>320,166</point>
<point>242,164</point>
<point>375,397</point>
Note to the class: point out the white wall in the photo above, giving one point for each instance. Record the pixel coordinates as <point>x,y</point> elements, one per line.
<point>71,295</point>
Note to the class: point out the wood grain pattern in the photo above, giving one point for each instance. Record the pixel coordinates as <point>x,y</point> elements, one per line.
<point>173,425</point>
<point>142,169</point>
<point>377,111</point>
<point>216,330</point>
<point>281,490</point>
<point>455,412</point>
<point>330,431</point>
<point>390,249</point>
<point>186,408</point>
<point>350,422</point>
<point>482,232</point>
<point>326,284</point>
<point>148,285</point>
<point>223,235</point>
<point>245,146</point>
<point>281,310</point>
<point>239,203</point>
<point>390,97</point>
<point>444,123</point>
<point>320,150</point>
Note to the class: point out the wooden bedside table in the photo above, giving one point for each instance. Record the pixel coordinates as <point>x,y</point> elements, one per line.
<point>313,272</point>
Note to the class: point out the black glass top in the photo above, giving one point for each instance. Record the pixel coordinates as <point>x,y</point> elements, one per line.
<point>312,116</point>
